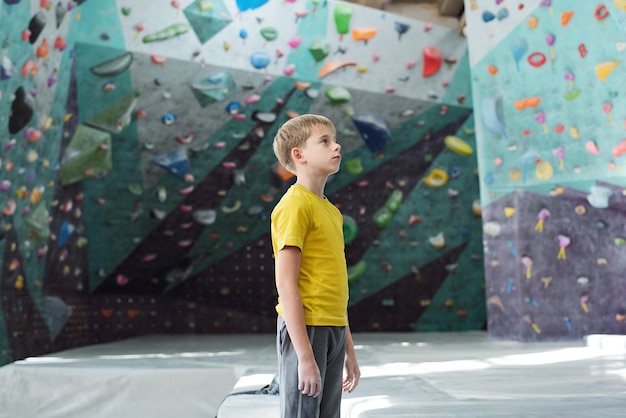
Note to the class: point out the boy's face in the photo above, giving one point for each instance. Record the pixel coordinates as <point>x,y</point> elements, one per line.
<point>321,151</point>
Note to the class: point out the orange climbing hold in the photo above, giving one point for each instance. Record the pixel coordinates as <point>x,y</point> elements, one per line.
<point>302,85</point>
<point>566,17</point>
<point>283,173</point>
<point>619,149</point>
<point>43,49</point>
<point>30,68</point>
<point>363,34</point>
<point>527,102</point>
<point>331,66</point>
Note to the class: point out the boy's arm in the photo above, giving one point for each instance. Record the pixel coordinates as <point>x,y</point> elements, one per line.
<point>288,271</point>
<point>353,373</point>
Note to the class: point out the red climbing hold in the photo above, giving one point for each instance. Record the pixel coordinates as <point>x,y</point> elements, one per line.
<point>432,60</point>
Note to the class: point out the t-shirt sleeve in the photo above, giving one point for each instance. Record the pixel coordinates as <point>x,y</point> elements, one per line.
<point>290,224</point>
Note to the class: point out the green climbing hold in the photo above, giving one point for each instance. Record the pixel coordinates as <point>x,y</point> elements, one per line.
<point>354,166</point>
<point>394,200</point>
<point>135,189</point>
<point>338,95</point>
<point>571,95</point>
<point>350,229</point>
<point>269,33</point>
<point>113,66</point>
<point>356,271</point>
<point>319,49</point>
<point>166,33</point>
<point>382,217</point>
<point>342,15</point>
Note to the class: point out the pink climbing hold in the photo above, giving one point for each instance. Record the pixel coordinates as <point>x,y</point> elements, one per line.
<point>295,41</point>
<point>289,70</point>
<point>592,148</point>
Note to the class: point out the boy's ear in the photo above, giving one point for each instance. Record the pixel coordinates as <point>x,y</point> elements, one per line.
<point>296,154</point>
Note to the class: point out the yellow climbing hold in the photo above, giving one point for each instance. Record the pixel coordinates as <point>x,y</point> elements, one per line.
<point>19,282</point>
<point>515,175</point>
<point>495,300</point>
<point>35,196</point>
<point>573,131</point>
<point>477,208</point>
<point>456,144</point>
<point>509,211</point>
<point>436,178</point>
<point>544,170</point>
<point>603,69</point>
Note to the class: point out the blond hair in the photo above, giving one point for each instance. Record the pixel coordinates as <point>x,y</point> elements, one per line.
<point>294,133</point>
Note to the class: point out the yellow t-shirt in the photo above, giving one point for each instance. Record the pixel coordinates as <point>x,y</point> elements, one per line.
<point>304,220</point>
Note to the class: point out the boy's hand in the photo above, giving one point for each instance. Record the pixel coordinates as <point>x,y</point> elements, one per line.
<point>353,373</point>
<point>309,379</point>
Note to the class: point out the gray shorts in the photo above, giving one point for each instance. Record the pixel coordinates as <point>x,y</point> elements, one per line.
<point>329,349</point>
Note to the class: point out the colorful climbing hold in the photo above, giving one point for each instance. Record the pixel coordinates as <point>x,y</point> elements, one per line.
<point>519,48</point>
<point>603,69</point>
<point>432,60</point>
<point>459,146</point>
<point>527,102</point>
<point>438,241</point>
<point>436,178</point>
<point>332,66</point>
<point>566,17</point>
<point>338,95</point>
<point>492,228</point>
<point>363,34</point>
<point>113,66</point>
<point>544,170</point>
<point>319,49</point>
<point>401,28</point>
<point>166,33</point>
<point>342,15</point>
<point>564,242</point>
<point>260,59</point>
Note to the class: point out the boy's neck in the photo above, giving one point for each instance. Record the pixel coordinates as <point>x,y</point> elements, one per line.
<point>314,186</point>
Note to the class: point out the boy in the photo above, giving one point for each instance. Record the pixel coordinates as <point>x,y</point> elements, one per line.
<point>313,336</point>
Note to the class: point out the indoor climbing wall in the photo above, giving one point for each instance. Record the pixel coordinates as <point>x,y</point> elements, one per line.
<point>138,173</point>
<point>550,125</point>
